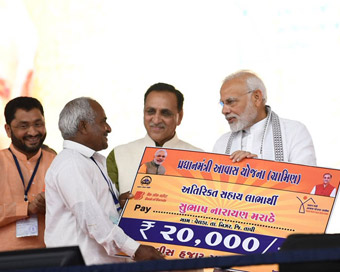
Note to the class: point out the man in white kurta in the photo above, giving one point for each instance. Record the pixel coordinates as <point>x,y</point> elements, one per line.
<point>163,112</point>
<point>82,205</point>
<point>256,131</point>
<point>297,143</point>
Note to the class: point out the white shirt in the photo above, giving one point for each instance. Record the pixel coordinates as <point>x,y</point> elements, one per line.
<point>297,143</point>
<point>80,208</point>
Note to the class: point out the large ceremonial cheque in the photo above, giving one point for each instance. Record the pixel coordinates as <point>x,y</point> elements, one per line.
<point>202,204</point>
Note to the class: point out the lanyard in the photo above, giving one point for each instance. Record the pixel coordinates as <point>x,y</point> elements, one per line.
<point>22,177</point>
<point>109,183</point>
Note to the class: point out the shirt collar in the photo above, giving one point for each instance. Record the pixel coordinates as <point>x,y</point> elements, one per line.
<point>82,149</point>
<point>21,156</point>
<point>172,142</point>
<point>259,126</point>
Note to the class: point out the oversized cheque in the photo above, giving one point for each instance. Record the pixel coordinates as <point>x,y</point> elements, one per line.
<point>205,205</point>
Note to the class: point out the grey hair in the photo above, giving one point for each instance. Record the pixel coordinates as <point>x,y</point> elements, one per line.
<point>76,110</point>
<point>252,80</point>
<point>159,150</point>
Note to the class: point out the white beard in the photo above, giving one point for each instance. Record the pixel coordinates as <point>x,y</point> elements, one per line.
<point>245,120</point>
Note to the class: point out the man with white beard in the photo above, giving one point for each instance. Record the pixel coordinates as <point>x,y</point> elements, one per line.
<point>256,131</point>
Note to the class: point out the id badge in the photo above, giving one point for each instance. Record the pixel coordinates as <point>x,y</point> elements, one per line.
<point>27,227</point>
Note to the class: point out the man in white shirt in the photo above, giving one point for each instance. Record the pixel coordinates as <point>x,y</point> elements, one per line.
<point>82,206</point>
<point>256,131</point>
<point>163,112</point>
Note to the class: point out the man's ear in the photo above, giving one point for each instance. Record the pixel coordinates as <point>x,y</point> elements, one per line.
<point>179,117</point>
<point>257,97</point>
<point>82,127</point>
<point>8,130</point>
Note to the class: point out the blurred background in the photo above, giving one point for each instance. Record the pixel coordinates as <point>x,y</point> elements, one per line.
<point>112,51</point>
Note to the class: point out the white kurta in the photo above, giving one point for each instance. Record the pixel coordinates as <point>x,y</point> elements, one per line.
<point>297,142</point>
<point>80,208</point>
<point>128,157</point>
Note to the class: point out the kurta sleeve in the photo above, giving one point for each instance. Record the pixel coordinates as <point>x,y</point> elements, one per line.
<point>11,212</point>
<point>142,169</point>
<point>301,148</point>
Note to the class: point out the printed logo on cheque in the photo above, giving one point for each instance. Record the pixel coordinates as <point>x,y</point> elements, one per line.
<point>146,180</point>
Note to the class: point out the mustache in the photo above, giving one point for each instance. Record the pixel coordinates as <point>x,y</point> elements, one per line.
<point>160,125</point>
<point>36,136</point>
<point>231,115</point>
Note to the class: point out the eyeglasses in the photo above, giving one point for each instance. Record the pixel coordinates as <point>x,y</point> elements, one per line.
<point>231,101</point>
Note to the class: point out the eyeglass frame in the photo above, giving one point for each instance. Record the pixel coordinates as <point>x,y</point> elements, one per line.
<point>230,101</point>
